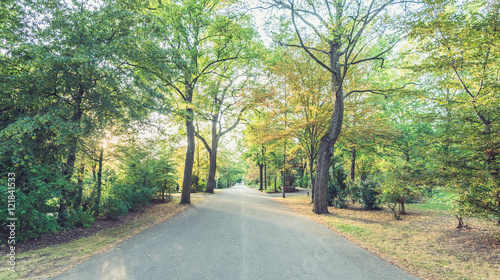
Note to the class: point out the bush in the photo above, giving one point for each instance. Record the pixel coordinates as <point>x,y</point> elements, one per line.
<point>80,218</point>
<point>202,186</point>
<point>368,194</point>
<point>35,217</point>
<point>337,188</point>
<point>401,185</point>
<point>115,208</point>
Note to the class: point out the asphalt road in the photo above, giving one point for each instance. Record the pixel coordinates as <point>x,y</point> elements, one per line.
<point>238,233</point>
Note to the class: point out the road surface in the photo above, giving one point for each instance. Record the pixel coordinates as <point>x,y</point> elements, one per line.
<point>238,233</point>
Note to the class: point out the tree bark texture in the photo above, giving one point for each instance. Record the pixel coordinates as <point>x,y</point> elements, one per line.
<point>353,163</point>
<point>327,142</point>
<point>188,163</point>
<point>213,156</point>
<point>261,175</point>
<point>99,184</point>
<point>212,169</point>
<point>79,194</point>
<point>68,169</point>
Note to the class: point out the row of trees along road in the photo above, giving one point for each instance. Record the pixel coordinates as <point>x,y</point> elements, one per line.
<point>98,99</point>
<point>414,84</point>
<point>85,87</point>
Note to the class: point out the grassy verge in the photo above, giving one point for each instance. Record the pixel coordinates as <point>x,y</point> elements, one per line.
<point>52,260</point>
<point>425,243</point>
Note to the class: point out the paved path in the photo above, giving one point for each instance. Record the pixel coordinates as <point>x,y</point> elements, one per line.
<point>238,233</point>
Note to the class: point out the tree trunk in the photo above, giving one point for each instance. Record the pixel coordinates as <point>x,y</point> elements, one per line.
<point>311,171</point>
<point>213,167</point>
<point>163,191</point>
<point>283,183</point>
<point>265,176</point>
<point>99,184</point>
<point>328,140</point>
<point>402,207</point>
<point>302,171</point>
<point>67,174</point>
<point>94,174</point>
<point>79,194</point>
<point>68,169</point>
<point>261,167</point>
<point>353,163</point>
<point>188,163</point>
<point>212,170</point>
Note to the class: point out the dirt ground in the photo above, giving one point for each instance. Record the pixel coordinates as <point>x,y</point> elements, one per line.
<point>426,242</point>
<point>100,225</point>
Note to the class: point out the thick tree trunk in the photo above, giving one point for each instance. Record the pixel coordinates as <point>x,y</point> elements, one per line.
<point>213,156</point>
<point>328,140</point>
<point>325,154</point>
<point>321,186</point>
<point>353,163</point>
<point>188,163</point>
<point>212,170</point>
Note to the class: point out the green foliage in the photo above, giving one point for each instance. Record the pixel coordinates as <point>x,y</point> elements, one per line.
<point>34,216</point>
<point>337,188</point>
<point>401,184</point>
<point>81,218</point>
<point>368,192</point>
<point>460,40</point>
<point>114,207</point>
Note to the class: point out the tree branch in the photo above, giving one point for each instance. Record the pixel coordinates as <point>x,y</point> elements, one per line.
<point>203,141</point>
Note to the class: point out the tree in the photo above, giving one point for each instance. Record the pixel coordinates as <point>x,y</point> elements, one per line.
<point>60,83</point>
<point>460,41</point>
<point>308,86</point>
<point>183,42</point>
<point>223,95</point>
<point>343,32</point>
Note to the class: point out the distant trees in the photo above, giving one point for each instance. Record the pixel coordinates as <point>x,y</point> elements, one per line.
<point>222,104</point>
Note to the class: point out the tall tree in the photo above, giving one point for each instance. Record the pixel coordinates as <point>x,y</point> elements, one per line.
<point>337,42</point>
<point>461,42</point>
<point>224,97</point>
<point>309,96</point>
<point>67,77</point>
<point>182,42</point>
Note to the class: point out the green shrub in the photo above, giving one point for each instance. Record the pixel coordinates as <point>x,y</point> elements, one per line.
<point>337,188</point>
<point>35,217</point>
<point>115,208</point>
<point>368,194</point>
<point>81,218</point>
<point>202,186</point>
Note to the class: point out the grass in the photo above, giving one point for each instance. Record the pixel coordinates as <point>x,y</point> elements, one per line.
<point>53,260</point>
<point>425,243</point>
